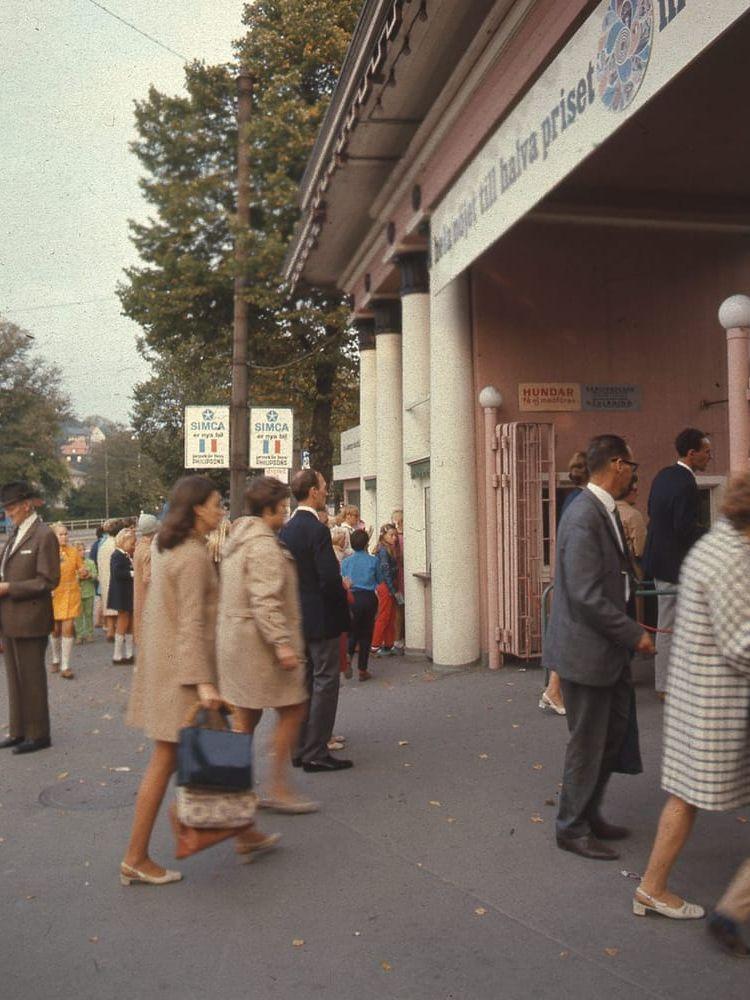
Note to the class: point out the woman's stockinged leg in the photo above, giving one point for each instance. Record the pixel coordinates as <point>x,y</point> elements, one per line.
<point>150,796</point>
<point>285,739</point>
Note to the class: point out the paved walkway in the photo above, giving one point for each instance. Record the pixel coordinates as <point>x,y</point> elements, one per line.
<point>430,874</point>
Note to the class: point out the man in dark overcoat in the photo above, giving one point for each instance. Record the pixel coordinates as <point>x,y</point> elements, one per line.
<point>29,572</point>
<point>590,641</point>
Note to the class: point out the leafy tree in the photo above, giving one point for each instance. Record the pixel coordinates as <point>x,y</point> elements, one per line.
<point>119,477</point>
<point>32,410</point>
<point>182,295</point>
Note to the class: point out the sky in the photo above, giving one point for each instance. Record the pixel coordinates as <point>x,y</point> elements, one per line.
<point>68,183</point>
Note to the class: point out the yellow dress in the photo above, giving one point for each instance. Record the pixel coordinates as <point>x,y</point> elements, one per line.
<point>66,598</point>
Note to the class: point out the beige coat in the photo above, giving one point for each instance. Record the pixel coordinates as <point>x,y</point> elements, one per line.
<point>141,580</point>
<point>177,649</point>
<point>258,610</point>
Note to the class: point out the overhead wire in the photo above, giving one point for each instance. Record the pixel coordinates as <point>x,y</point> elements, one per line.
<point>135,28</point>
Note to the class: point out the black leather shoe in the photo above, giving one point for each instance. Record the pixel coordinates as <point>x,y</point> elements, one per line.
<point>31,746</point>
<point>603,830</point>
<point>726,934</point>
<point>587,847</point>
<point>326,764</point>
<point>10,741</point>
<point>296,762</point>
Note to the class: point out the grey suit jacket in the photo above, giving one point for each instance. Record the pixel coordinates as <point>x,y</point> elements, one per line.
<point>33,572</point>
<point>590,637</point>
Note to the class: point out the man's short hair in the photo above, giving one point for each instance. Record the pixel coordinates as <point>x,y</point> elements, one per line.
<point>263,492</point>
<point>691,439</point>
<point>358,540</point>
<point>304,481</point>
<point>602,449</point>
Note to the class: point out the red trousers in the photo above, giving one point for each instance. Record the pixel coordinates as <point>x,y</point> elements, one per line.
<point>385,623</point>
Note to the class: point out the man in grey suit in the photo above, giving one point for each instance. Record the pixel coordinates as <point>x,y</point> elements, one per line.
<point>29,572</point>
<point>590,641</point>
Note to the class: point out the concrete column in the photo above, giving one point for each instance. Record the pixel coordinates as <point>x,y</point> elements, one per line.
<point>415,310</point>
<point>367,418</point>
<point>389,442</point>
<point>453,486</point>
<point>734,316</point>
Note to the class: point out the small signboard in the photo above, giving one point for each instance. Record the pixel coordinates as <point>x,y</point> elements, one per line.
<point>206,437</point>
<point>611,397</point>
<point>271,437</point>
<point>282,475</point>
<point>549,396</point>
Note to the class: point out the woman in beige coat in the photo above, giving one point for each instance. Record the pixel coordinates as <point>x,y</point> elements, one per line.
<point>260,648</point>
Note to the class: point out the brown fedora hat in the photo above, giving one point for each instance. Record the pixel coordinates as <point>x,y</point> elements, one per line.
<point>16,491</point>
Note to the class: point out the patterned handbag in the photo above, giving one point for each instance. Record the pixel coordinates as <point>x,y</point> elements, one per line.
<point>203,808</point>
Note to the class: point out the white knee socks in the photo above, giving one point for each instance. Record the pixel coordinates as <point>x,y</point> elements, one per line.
<point>128,646</point>
<point>119,643</point>
<point>54,643</point>
<point>67,646</point>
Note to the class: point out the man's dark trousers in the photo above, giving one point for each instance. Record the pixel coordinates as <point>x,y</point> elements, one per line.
<point>27,687</point>
<point>322,677</point>
<point>597,720</point>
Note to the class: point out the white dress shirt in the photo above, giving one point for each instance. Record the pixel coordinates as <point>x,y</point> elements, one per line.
<point>691,471</point>
<point>310,510</point>
<point>610,506</point>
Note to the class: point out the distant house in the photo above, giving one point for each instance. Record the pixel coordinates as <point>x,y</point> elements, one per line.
<point>76,451</point>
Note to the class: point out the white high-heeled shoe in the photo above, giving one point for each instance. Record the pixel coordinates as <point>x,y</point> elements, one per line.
<point>688,911</point>
<point>545,702</point>
<point>130,875</point>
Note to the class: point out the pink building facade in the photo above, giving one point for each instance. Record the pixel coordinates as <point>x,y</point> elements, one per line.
<point>547,198</point>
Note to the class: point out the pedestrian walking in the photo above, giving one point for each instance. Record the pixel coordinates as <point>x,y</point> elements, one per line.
<point>260,647</point>
<point>120,596</point>
<point>103,563</point>
<point>384,635</point>
<point>93,554</point>
<point>66,603</point>
<point>325,615</point>
<point>177,660</point>
<point>674,527</point>
<point>732,910</point>
<point>706,749</point>
<point>350,523</point>
<point>363,573</point>
<point>29,572</point>
<point>397,518</point>
<point>590,641</point>
<point>84,626</point>
<point>148,525</point>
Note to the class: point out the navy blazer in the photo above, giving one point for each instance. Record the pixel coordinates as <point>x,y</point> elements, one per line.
<point>674,526</point>
<point>325,610</point>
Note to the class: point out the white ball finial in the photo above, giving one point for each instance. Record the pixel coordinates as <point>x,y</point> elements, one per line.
<point>735,312</point>
<point>491,398</point>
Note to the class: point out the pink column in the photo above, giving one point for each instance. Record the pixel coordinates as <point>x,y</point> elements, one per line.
<point>734,316</point>
<point>490,400</point>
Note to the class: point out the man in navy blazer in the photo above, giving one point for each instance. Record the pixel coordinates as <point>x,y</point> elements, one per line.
<point>325,615</point>
<point>674,527</point>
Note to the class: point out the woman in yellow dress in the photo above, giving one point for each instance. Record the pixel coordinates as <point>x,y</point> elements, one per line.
<point>66,602</point>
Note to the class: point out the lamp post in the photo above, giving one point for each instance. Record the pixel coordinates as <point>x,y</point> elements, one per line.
<point>734,316</point>
<point>490,399</point>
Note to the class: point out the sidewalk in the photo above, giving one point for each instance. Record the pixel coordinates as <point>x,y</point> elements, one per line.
<point>430,874</point>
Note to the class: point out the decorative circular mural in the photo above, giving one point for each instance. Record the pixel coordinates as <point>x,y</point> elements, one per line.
<point>624,51</point>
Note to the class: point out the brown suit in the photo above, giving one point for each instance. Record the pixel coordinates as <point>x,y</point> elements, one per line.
<point>32,571</point>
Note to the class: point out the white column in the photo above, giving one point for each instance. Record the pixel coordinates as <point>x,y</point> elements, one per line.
<point>367,419</point>
<point>389,438</point>
<point>415,322</point>
<point>734,316</point>
<point>453,475</point>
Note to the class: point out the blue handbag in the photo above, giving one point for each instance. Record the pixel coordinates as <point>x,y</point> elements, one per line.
<point>214,758</point>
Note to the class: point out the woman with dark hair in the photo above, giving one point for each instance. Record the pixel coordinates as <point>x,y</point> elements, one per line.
<point>384,636</point>
<point>706,748</point>
<point>176,661</point>
<point>260,647</point>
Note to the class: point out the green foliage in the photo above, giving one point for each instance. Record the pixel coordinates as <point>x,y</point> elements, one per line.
<point>32,410</point>
<point>182,294</point>
<point>119,476</point>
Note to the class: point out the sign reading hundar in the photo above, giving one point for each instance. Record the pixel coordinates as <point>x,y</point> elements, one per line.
<point>619,59</point>
<point>206,437</point>
<point>271,438</point>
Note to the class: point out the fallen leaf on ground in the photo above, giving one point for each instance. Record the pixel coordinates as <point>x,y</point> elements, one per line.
<point>406,764</point>
<point>31,897</point>
<point>386,966</point>
<point>484,756</point>
<point>564,954</point>
<point>141,748</point>
<point>94,732</point>
<point>611,952</point>
<point>522,670</point>
<point>509,700</point>
<point>434,802</point>
<point>419,864</point>
<point>107,716</point>
<point>118,769</point>
<point>450,819</point>
<point>358,933</point>
<point>549,802</point>
<point>298,942</point>
<point>536,818</point>
<point>94,940</point>
<point>538,767</point>
<point>516,725</point>
<point>63,775</point>
<point>429,677</point>
<point>742,819</point>
<point>403,743</point>
<point>480,911</point>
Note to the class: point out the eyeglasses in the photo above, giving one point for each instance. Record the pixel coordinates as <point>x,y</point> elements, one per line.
<point>633,465</point>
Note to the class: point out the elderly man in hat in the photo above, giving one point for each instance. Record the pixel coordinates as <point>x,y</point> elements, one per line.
<point>29,572</point>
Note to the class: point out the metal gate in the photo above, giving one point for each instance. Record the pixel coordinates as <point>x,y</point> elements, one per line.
<point>525,484</point>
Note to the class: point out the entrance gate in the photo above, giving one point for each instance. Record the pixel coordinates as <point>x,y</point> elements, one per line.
<point>524,484</point>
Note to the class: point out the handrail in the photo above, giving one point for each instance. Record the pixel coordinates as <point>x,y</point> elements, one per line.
<point>640,592</point>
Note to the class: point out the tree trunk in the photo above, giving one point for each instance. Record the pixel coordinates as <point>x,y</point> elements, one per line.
<point>321,445</point>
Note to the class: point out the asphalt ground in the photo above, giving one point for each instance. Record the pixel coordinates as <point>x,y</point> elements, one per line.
<point>430,872</point>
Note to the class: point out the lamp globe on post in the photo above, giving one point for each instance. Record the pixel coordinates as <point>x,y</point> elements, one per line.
<point>734,316</point>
